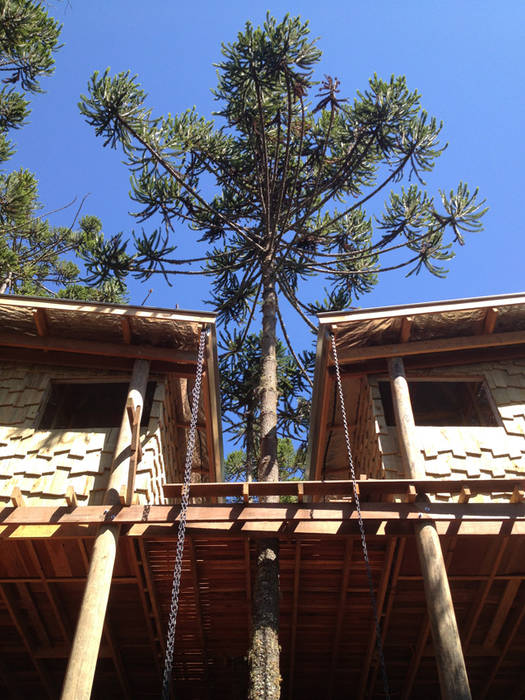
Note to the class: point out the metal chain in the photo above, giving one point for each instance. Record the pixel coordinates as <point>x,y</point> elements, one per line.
<point>379,641</point>
<point>177,569</point>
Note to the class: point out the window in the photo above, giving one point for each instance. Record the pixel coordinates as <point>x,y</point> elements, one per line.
<point>441,403</point>
<point>82,406</point>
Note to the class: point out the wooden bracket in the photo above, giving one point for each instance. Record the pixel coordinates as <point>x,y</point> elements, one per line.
<point>518,495</point>
<point>246,491</point>
<point>17,498</point>
<point>411,493</point>
<point>300,491</point>
<point>465,495</point>
<point>71,497</point>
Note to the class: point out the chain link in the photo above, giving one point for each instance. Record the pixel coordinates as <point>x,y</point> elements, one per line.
<point>379,641</point>
<point>177,570</point>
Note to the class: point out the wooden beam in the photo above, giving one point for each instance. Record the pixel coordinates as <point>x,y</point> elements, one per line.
<point>505,604</point>
<point>406,328</point>
<point>345,575</point>
<point>385,577</point>
<point>477,607</point>
<point>147,605</point>
<point>293,623</point>
<point>504,515</point>
<point>371,488</point>
<point>198,606</point>
<point>40,319</point>
<point>489,322</point>
<point>90,626</point>
<point>142,558</point>
<point>125,324</point>
<point>450,662</point>
<point>494,672</point>
<point>391,594</point>
<point>27,640</point>
<point>92,347</point>
<point>419,347</point>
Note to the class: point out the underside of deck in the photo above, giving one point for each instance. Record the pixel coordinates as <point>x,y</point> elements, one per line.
<point>327,629</point>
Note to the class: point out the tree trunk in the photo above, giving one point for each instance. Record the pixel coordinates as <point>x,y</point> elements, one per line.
<point>263,656</point>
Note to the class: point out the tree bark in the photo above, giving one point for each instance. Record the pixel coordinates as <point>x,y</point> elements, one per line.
<point>263,656</point>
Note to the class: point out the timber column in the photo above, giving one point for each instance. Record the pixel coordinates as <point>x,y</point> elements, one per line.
<point>84,652</point>
<point>450,662</point>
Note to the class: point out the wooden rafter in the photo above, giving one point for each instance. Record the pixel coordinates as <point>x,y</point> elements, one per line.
<point>424,633</point>
<point>489,322</point>
<point>504,606</point>
<point>380,600</point>
<point>100,348</point>
<point>406,328</point>
<point>343,591</point>
<point>478,605</point>
<point>293,623</point>
<point>40,319</point>
<point>147,606</point>
<point>391,595</point>
<point>150,587</point>
<point>26,638</point>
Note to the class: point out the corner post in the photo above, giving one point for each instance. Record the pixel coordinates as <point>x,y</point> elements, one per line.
<point>450,662</point>
<point>82,662</point>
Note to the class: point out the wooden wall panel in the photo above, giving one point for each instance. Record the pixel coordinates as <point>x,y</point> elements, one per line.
<point>467,452</point>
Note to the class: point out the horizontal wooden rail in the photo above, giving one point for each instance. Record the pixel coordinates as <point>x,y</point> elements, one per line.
<point>373,488</point>
<point>49,515</point>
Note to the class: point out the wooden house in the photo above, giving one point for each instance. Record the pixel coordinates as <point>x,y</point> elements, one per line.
<point>435,404</point>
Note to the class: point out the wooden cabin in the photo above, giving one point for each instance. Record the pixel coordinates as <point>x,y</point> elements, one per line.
<point>435,401</point>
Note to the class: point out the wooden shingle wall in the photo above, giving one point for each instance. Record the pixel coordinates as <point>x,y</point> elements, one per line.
<point>466,452</point>
<point>43,464</point>
<point>365,445</point>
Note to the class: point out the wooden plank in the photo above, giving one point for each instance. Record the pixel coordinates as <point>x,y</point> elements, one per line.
<point>147,604</point>
<point>293,623</point>
<point>391,595</point>
<point>335,511</point>
<point>495,669</point>
<point>477,607</point>
<point>150,589</point>
<point>420,347</point>
<point>345,575</point>
<point>10,603</point>
<point>380,601</point>
<point>344,487</point>
<point>505,604</point>
<point>91,347</point>
<point>126,329</point>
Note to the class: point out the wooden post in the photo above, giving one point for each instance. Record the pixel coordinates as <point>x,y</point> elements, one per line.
<point>450,662</point>
<point>84,652</point>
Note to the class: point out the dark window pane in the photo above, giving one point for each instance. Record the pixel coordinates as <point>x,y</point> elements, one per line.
<point>444,403</point>
<point>82,406</point>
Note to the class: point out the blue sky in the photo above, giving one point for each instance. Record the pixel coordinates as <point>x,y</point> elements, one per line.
<point>465,58</point>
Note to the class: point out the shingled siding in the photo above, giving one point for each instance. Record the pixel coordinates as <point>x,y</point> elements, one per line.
<point>466,452</point>
<point>44,463</point>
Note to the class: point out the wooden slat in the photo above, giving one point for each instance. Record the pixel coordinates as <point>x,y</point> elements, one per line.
<point>367,487</point>
<point>406,327</point>
<point>27,640</point>
<point>293,623</point>
<point>489,322</point>
<point>505,604</point>
<point>345,575</point>
<point>380,600</point>
<point>212,513</point>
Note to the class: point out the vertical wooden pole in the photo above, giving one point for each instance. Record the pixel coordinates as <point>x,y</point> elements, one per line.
<point>84,652</point>
<point>450,662</point>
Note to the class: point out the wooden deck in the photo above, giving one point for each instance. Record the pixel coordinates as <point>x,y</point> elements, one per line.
<point>327,631</point>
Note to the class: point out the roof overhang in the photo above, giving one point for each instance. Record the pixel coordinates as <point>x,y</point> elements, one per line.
<point>432,333</point>
<point>56,331</point>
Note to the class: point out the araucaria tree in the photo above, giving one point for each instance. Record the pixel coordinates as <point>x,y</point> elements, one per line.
<point>294,166</point>
<point>35,257</point>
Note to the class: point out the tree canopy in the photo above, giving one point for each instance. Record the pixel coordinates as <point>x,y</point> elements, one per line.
<point>35,257</point>
<point>276,187</point>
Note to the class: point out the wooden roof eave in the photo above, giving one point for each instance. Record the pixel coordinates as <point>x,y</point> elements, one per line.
<point>215,450</point>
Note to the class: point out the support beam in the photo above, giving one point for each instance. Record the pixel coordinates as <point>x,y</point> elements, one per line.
<point>452,673</point>
<point>295,607</point>
<point>349,548</point>
<point>90,626</point>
